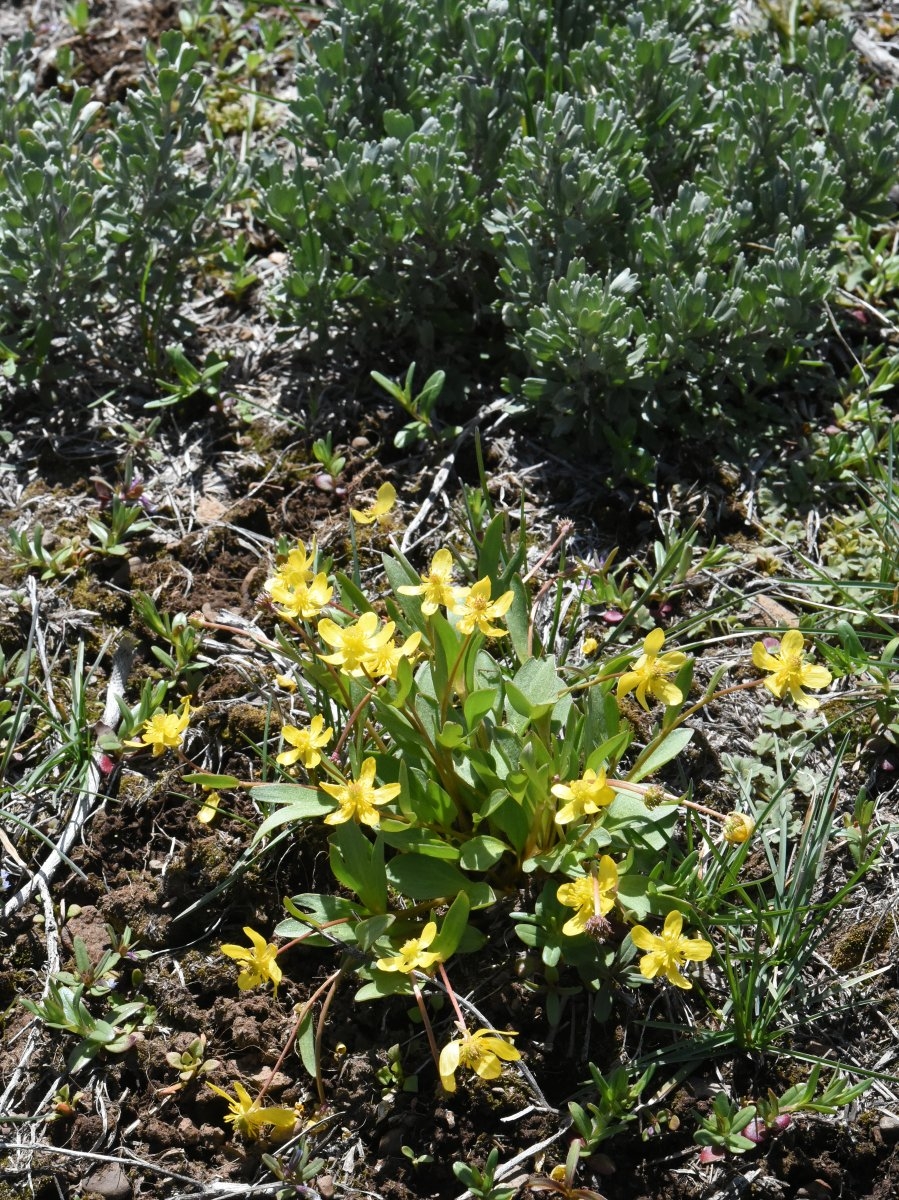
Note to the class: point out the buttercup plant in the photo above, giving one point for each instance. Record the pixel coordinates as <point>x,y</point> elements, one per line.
<point>455,760</point>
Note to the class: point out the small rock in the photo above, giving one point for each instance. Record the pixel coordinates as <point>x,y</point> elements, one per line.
<point>188,1133</point>
<point>889,1126</point>
<point>816,1190</point>
<point>273,1083</point>
<point>213,1134</point>
<point>109,1181</point>
<point>325,1186</point>
<point>360,443</point>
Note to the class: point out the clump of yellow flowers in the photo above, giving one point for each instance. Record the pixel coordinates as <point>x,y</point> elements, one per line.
<point>164,730</point>
<point>420,711</point>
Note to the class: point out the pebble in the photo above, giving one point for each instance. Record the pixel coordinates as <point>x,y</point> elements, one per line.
<point>110,1182</point>
<point>889,1125</point>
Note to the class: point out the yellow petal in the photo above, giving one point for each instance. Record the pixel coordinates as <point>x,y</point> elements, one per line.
<point>665,691</point>
<point>651,964</point>
<point>448,1064</point>
<point>762,659</point>
<point>608,874</point>
<point>577,924</point>
<point>673,975</point>
<point>815,677</point>
<point>642,938</point>
<point>628,682</point>
<point>210,808</point>
<point>238,953</point>
<point>695,949</point>
<point>654,641</point>
<point>674,923</point>
<point>791,643</point>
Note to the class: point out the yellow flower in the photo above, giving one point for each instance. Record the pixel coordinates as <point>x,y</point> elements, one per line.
<point>480,1052</point>
<point>586,795</point>
<point>670,951</point>
<point>258,962</point>
<point>378,511</point>
<point>165,730</point>
<point>287,682</point>
<point>354,644</point>
<point>589,646</point>
<point>358,798</point>
<point>437,586</point>
<point>738,828</point>
<point>301,601</point>
<point>788,671</point>
<point>296,569</point>
<point>249,1117</point>
<point>477,610</point>
<point>649,671</point>
<point>385,660</point>
<point>306,743</point>
<point>414,954</point>
<point>592,895</point>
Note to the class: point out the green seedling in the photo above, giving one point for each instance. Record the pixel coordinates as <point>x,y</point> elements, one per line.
<point>31,554</point>
<point>481,1182</point>
<point>191,1063</point>
<point>616,1107</point>
<point>78,15</point>
<point>122,521</point>
<point>419,407</point>
<point>116,1033</point>
<point>189,380</point>
<point>324,453</point>
<point>184,637</point>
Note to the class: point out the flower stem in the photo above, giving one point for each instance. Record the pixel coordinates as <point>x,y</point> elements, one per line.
<point>426,1021</point>
<point>301,1017</point>
<point>452,995</point>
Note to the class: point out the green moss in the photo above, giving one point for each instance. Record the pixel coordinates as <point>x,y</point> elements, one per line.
<point>109,605</point>
<point>860,943</point>
<point>246,722</point>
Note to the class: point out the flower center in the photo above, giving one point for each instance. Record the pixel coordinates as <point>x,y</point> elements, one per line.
<point>357,794</point>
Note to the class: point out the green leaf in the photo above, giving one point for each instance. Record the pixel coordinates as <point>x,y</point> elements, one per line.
<point>384,983</point>
<point>359,865</point>
<point>518,619</point>
<point>491,548</point>
<point>422,878</point>
<point>321,910</point>
<point>372,928</point>
<point>412,838</point>
<point>477,705</point>
<point>670,746</point>
<point>608,751</point>
<point>640,827</point>
<point>452,928</point>
<point>451,735</point>
<point>482,852</point>
<point>305,1044</point>
<point>298,804</point>
<point>632,893</point>
<point>201,779</point>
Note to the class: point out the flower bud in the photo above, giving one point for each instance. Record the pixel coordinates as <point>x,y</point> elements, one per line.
<point>738,828</point>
